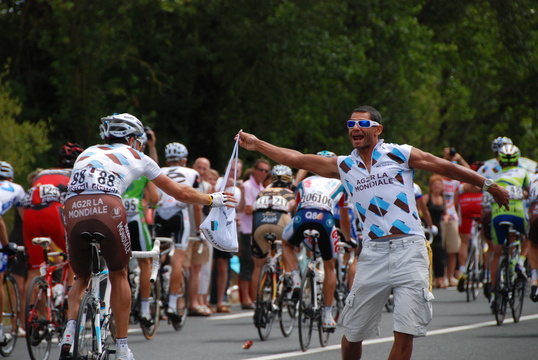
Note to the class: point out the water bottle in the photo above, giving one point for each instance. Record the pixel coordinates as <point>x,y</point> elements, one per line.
<point>102,309</point>
<point>167,272</point>
<point>58,292</point>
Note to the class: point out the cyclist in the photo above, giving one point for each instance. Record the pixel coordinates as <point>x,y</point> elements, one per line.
<point>173,217</point>
<point>43,209</point>
<point>11,195</point>
<point>270,215</point>
<point>532,255</point>
<point>315,203</point>
<point>100,175</point>
<point>517,181</point>
<point>139,192</point>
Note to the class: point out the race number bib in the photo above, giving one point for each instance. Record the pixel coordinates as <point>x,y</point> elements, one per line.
<point>94,180</point>
<point>131,206</point>
<point>275,202</point>
<point>318,201</point>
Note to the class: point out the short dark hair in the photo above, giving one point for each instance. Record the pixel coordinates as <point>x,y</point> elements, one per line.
<point>374,114</point>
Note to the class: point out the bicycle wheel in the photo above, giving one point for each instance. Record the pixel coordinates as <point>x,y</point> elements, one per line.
<point>38,334</point>
<point>150,329</point>
<point>501,292</point>
<point>264,307</point>
<point>85,346</point>
<point>323,334</point>
<point>287,308</point>
<point>471,283</point>
<point>306,310</point>
<point>10,319</point>
<point>518,295</point>
<point>182,303</point>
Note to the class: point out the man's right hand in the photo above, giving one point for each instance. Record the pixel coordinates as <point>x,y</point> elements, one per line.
<point>246,140</point>
<point>221,199</point>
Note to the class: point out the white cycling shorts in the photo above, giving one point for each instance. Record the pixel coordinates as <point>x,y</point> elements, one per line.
<point>400,265</point>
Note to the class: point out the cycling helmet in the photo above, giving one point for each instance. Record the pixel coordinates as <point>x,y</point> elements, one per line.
<point>499,142</point>
<point>68,154</point>
<point>144,138</point>
<point>175,150</point>
<point>6,170</point>
<point>326,153</point>
<point>281,175</point>
<point>120,126</point>
<point>509,154</point>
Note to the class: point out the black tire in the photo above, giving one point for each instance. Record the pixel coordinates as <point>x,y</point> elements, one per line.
<point>85,335</point>
<point>287,309</point>
<point>149,330</point>
<point>264,307</point>
<point>38,335</point>
<point>10,319</point>
<point>182,303</point>
<point>517,298</point>
<point>340,294</point>
<point>472,281</point>
<point>323,334</point>
<point>501,283</point>
<point>306,315</point>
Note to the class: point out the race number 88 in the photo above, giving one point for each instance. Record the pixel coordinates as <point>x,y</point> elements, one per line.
<point>106,178</point>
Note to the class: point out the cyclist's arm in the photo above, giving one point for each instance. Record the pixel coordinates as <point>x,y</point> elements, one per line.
<point>345,221</point>
<point>3,232</point>
<point>421,206</point>
<point>425,161</point>
<point>321,165</point>
<point>151,194</point>
<point>186,193</point>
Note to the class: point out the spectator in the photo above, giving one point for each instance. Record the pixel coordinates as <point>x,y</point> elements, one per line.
<point>250,189</point>
<point>436,205</point>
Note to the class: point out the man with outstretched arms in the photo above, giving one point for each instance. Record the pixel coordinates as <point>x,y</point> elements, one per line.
<point>11,195</point>
<point>172,218</point>
<point>378,178</point>
<point>100,176</point>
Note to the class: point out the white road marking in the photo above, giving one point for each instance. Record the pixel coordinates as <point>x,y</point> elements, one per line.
<point>390,339</point>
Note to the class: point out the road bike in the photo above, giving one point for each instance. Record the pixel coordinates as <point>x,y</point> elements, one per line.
<point>475,269</point>
<point>46,303</point>
<point>509,285</point>
<point>12,303</point>
<point>311,301</point>
<point>342,281</point>
<point>275,294</point>
<point>95,331</point>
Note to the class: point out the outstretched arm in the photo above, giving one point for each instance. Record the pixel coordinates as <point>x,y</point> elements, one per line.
<point>321,165</point>
<point>423,160</point>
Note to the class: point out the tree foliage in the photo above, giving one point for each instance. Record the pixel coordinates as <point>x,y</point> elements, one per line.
<point>442,73</point>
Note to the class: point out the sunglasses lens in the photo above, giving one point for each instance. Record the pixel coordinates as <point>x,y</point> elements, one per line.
<point>350,123</point>
<point>365,123</point>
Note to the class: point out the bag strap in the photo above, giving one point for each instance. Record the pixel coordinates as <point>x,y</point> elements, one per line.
<point>234,157</point>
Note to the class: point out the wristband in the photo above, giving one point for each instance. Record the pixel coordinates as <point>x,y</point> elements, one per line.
<point>210,200</point>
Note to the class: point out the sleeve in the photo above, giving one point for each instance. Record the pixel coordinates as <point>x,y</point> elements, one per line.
<point>152,170</point>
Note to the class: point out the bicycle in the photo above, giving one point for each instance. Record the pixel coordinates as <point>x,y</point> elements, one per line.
<point>46,308</point>
<point>342,284</point>
<point>509,286</point>
<point>475,268</point>
<point>311,301</point>
<point>95,320</point>
<point>177,321</point>
<point>12,301</point>
<point>275,297</point>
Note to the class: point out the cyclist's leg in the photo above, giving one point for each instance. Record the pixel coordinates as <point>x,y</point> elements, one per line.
<point>532,254</point>
<point>260,249</point>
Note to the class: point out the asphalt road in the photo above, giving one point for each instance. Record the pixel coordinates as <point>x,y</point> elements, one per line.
<point>459,330</point>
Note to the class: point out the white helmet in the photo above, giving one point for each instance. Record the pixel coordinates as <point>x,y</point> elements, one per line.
<point>498,143</point>
<point>175,150</point>
<point>281,174</point>
<point>6,170</point>
<point>120,126</point>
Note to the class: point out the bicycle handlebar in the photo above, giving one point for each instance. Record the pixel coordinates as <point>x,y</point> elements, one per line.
<point>154,254</point>
<point>169,242</point>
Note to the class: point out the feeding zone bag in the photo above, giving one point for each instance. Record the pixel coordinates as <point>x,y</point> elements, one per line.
<point>220,227</point>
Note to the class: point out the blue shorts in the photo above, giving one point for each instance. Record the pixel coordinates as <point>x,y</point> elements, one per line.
<point>320,220</point>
